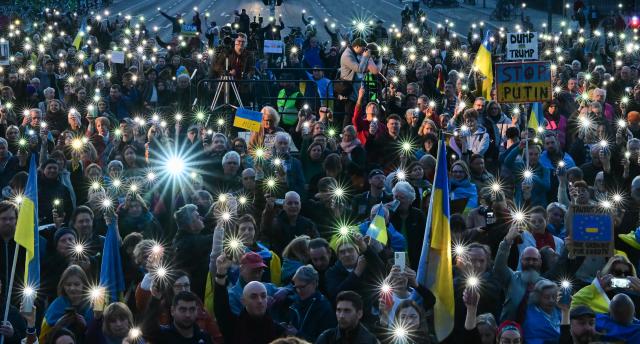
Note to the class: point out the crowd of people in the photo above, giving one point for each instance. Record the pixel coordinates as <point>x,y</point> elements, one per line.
<point>230,236</point>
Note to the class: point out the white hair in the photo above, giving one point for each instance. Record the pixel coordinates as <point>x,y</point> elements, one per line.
<point>231,155</point>
<point>283,135</point>
<point>406,189</point>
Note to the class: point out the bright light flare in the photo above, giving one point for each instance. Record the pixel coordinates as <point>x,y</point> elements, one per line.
<point>175,166</point>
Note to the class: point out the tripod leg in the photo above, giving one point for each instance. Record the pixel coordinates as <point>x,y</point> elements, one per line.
<point>235,91</point>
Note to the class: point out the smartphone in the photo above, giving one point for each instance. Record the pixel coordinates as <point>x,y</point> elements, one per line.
<point>622,283</point>
<point>490,218</point>
<point>279,201</point>
<point>565,296</point>
<point>400,259</point>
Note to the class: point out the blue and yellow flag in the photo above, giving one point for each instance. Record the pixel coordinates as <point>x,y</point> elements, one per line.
<point>78,39</point>
<point>378,227</point>
<point>247,119</point>
<point>27,228</point>
<point>484,65</point>
<point>111,275</point>
<point>536,116</point>
<point>435,268</point>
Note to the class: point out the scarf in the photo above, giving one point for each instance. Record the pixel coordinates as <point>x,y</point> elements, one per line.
<point>347,147</point>
<point>57,309</point>
<point>544,239</point>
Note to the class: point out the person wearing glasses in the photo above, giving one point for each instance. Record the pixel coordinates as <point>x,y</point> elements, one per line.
<point>618,276</point>
<point>241,63</point>
<point>309,312</point>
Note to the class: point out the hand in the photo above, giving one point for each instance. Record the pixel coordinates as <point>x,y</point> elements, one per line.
<point>471,297</point>
<point>271,202</point>
<point>411,277</point>
<point>635,283</point>
<point>222,264</point>
<point>361,92</point>
<point>523,144</point>
<point>280,295</point>
<point>360,242</point>
<point>29,317</point>
<point>58,220</point>
<point>373,127</point>
<point>366,54</point>
<point>6,329</point>
<point>568,243</point>
<point>44,133</point>
<point>384,311</point>
<point>292,331</point>
<point>605,281</point>
<point>361,265</point>
<point>514,232</point>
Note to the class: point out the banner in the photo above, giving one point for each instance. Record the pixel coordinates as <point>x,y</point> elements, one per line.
<point>189,30</point>
<point>523,82</point>
<point>522,46</point>
<point>117,56</point>
<point>591,230</point>
<point>273,47</point>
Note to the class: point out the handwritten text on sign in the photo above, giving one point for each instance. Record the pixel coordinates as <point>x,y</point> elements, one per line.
<point>522,46</point>
<point>523,82</point>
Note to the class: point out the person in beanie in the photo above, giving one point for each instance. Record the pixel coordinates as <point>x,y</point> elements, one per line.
<point>578,326</point>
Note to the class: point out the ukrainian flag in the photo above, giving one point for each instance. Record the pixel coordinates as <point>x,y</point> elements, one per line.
<point>27,228</point>
<point>111,275</point>
<point>536,117</point>
<point>435,268</point>
<point>378,227</point>
<point>78,40</point>
<point>484,65</point>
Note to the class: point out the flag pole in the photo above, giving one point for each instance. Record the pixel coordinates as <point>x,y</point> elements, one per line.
<point>10,287</point>
<point>526,142</point>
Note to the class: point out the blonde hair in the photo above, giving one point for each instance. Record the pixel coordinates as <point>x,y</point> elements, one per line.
<point>72,271</point>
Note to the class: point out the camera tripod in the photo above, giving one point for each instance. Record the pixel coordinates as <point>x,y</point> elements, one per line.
<point>226,81</point>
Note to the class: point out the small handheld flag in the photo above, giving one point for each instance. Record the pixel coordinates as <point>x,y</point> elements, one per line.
<point>378,227</point>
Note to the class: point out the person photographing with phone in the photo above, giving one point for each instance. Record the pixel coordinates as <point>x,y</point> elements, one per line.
<point>618,276</point>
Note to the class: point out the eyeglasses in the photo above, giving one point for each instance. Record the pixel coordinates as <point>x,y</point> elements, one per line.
<point>621,272</point>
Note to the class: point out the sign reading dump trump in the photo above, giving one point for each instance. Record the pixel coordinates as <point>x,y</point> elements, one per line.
<point>522,46</point>
<point>591,230</point>
<point>523,82</point>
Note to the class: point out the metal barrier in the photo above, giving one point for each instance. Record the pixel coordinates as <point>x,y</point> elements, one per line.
<point>256,93</point>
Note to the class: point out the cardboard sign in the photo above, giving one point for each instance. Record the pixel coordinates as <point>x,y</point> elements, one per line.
<point>247,119</point>
<point>117,57</point>
<point>273,47</point>
<point>522,46</point>
<point>4,53</point>
<point>591,230</point>
<point>523,82</point>
<point>189,30</point>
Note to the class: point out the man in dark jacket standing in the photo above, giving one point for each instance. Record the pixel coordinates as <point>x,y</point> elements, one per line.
<point>192,247</point>
<point>253,325</point>
<point>310,313</point>
<point>349,330</point>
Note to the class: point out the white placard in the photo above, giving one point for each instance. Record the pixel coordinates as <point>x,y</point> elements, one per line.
<point>4,53</point>
<point>117,57</point>
<point>522,46</point>
<point>273,47</point>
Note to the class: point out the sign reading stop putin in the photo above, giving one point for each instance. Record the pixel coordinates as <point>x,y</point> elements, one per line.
<point>522,46</point>
<point>523,82</point>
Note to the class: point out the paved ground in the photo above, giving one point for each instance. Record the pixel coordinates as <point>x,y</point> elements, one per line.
<point>341,12</point>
